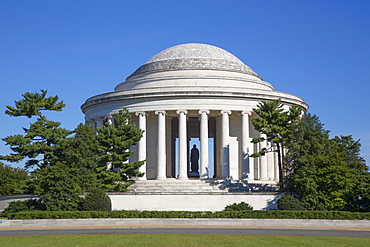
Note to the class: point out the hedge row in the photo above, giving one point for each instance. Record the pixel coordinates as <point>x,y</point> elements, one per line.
<point>278,214</point>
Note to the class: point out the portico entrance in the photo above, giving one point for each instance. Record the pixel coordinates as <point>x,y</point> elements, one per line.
<point>193,137</point>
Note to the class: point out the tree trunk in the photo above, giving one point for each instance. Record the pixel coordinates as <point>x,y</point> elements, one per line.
<point>279,152</point>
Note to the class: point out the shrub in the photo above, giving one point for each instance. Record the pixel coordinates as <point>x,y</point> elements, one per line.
<point>289,202</point>
<point>238,207</point>
<point>96,200</point>
<point>27,205</point>
<point>251,214</point>
<point>321,207</point>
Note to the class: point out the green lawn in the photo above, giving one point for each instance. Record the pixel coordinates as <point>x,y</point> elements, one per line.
<point>179,240</point>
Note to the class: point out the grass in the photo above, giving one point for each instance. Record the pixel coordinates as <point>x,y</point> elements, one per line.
<point>179,240</point>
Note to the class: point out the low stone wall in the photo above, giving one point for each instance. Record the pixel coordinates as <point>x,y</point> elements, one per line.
<point>4,200</point>
<point>191,202</point>
<point>176,202</point>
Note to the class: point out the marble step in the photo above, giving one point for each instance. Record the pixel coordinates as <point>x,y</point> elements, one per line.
<point>190,186</point>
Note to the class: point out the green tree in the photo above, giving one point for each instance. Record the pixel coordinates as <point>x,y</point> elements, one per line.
<point>12,180</point>
<point>115,141</point>
<point>289,202</point>
<point>66,166</point>
<point>79,154</point>
<point>39,140</point>
<point>325,172</point>
<point>72,171</point>
<point>57,188</point>
<point>277,124</point>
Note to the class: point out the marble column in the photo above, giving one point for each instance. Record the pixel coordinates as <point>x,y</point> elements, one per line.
<point>161,145</point>
<point>276,164</point>
<point>263,159</point>
<point>141,151</point>
<point>225,143</point>
<point>183,148</point>
<point>203,144</point>
<point>100,122</point>
<point>90,122</point>
<point>247,165</point>
<point>270,162</point>
<point>109,119</point>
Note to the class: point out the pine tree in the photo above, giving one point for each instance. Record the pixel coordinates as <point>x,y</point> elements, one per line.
<point>79,154</point>
<point>115,141</point>
<point>57,188</point>
<point>277,124</point>
<point>12,180</point>
<point>38,141</point>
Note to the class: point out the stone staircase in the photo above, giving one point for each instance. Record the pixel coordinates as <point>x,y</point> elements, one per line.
<point>195,186</point>
<point>171,186</point>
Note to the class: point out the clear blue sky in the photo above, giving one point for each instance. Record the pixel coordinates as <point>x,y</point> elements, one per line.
<point>317,50</point>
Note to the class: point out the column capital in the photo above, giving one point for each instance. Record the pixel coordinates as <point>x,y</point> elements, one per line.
<point>225,111</point>
<point>182,111</point>
<point>142,113</point>
<point>160,112</point>
<point>204,111</point>
<point>249,113</point>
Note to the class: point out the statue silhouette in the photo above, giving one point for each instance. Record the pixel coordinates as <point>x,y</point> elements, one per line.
<point>194,157</point>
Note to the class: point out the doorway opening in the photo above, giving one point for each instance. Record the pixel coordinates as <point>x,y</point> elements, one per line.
<point>195,141</point>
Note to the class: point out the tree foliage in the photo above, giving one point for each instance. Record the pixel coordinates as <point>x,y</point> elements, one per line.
<point>79,154</point>
<point>96,200</point>
<point>115,141</point>
<point>26,205</point>
<point>68,165</point>
<point>277,124</point>
<point>12,180</point>
<point>326,172</point>
<point>39,140</point>
<point>242,206</point>
<point>289,202</point>
<point>57,188</point>
<point>33,103</point>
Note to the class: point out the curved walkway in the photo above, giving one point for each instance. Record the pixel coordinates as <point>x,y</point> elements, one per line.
<point>189,222</point>
<point>185,225</point>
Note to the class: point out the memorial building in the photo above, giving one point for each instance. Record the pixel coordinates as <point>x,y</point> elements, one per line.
<point>195,104</point>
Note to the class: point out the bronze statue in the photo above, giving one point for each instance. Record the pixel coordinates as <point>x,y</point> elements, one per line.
<point>194,157</point>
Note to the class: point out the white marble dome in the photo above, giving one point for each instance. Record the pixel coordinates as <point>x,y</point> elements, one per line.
<point>194,56</point>
<point>194,50</point>
<point>203,66</point>
<point>188,76</point>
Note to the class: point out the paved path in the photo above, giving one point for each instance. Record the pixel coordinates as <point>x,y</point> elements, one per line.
<point>358,228</point>
<point>187,230</point>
